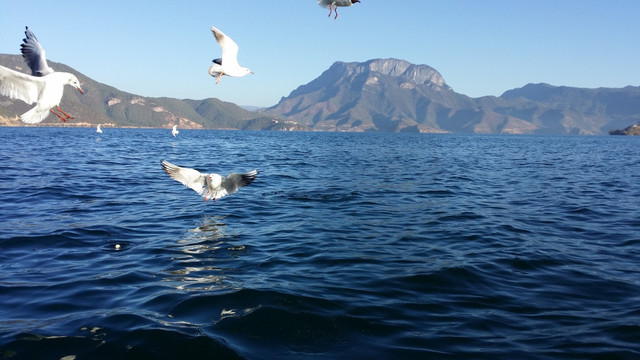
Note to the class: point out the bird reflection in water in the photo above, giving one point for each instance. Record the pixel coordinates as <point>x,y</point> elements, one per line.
<point>205,257</point>
<point>211,231</point>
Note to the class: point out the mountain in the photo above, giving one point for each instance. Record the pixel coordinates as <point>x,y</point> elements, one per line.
<point>103,104</point>
<point>395,95</point>
<point>377,95</point>
<point>633,130</point>
<point>594,111</point>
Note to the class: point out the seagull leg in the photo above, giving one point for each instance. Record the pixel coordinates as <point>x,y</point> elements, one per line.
<point>335,17</point>
<point>58,115</point>
<point>218,78</point>
<point>330,9</point>
<point>65,114</point>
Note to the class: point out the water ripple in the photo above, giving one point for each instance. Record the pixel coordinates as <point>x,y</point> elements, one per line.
<point>346,246</point>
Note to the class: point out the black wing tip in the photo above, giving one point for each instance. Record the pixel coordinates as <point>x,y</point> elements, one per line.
<point>247,178</point>
<point>29,34</point>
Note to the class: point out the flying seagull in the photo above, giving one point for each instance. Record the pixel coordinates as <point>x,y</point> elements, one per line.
<point>175,130</point>
<point>333,5</point>
<point>228,64</point>
<point>43,87</point>
<point>98,130</point>
<point>208,185</point>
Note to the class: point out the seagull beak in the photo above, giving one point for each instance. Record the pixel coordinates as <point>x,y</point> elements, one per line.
<point>80,90</point>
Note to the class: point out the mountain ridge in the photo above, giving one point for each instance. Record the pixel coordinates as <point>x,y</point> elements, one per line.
<point>379,95</point>
<point>391,95</point>
<point>104,104</point>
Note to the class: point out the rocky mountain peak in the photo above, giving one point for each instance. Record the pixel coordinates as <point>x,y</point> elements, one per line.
<point>418,74</point>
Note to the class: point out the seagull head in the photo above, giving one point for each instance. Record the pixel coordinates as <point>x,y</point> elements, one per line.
<point>247,71</point>
<point>214,181</point>
<point>73,81</point>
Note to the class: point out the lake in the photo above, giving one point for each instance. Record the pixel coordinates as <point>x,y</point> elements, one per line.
<point>369,246</point>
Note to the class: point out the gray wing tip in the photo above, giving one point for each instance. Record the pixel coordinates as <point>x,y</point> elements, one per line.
<point>29,38</point>
<point>33,54</point>
<point>168,167</point>
<point>219,35</point>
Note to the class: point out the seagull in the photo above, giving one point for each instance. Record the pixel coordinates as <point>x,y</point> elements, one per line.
<point>43,87</point>
<point>98,130</point>
<point>175,130</point>
<point>228,64</point>
<point>208,185</point>
<point>333,5</point>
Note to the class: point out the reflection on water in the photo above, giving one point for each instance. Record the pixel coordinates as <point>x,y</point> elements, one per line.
<point>212,228</point>
<point>204,257</point>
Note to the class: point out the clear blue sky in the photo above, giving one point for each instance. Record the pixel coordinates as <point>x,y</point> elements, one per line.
<point>481,47</point>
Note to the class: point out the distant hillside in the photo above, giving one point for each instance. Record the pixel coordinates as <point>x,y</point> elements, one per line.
<point>633,130</point>
<point>395,95</point>
<point>377,95</point>
<point>103,104</point>
<point>583,110</point>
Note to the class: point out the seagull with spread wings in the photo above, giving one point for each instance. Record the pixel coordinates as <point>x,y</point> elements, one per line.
<point>208,185</point>
<point>44,86</point>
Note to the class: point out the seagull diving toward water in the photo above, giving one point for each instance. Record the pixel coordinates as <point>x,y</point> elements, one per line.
<point>98,130</point>
<point>228,64</point>
<point>208,185</point>
<point>333,5</point>
<point>175,130</point>
<point>44,86</point>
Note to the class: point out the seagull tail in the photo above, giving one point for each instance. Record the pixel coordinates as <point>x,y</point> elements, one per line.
<point>34,116</point>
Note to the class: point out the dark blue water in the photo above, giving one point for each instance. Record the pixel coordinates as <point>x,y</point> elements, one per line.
<point>385,246</point>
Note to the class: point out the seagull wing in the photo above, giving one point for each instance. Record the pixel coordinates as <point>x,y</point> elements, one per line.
<point>190,178</point>
<point>17,85</point>
<point>33,54</point>
<point>233,182</point>
<point>229,47</point>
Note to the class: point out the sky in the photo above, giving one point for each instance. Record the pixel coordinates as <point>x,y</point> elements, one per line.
<point>480,47</point>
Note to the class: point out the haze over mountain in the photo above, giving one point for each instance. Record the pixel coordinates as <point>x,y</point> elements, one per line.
<point>376,95</point>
